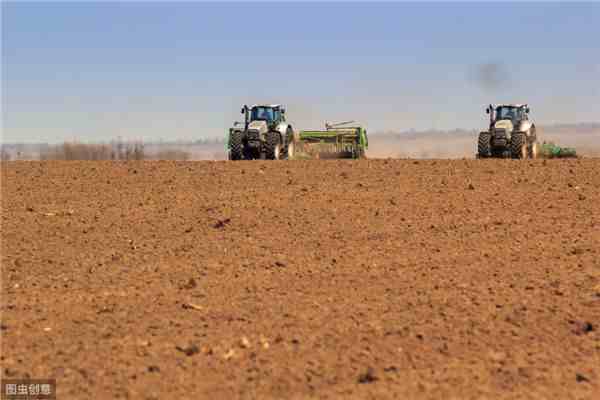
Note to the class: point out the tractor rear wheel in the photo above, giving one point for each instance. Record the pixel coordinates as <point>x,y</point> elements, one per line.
<point>532,150</point>
<point>288,147</point>
<point>273,146</point>
<point>518,146</point>
<point>484,145</point>
<point>236,147</point>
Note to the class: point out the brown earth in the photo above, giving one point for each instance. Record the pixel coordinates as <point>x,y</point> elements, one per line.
<point>465,279</point>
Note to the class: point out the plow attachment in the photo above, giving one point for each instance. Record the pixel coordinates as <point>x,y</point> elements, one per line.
<point>550,150</point>
<point>336,141</point>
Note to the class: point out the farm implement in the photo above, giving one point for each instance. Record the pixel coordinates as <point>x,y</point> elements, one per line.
<point>550,150</point>
<point>341,140</point>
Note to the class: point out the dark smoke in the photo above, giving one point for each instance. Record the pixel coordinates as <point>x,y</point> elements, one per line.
<point>491,76</point>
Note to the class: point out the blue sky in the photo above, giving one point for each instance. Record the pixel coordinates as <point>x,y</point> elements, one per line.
<point>94,71</point>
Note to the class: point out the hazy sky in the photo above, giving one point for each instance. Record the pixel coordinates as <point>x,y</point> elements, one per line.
<point>149,70</point>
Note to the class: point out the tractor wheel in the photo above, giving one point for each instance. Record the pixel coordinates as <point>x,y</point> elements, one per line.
<point>288,147</point>
<point>484,146</point>
<point>518,146</point>
<point>532,150</point>
<point>273,148</point>
<point>236,147</point>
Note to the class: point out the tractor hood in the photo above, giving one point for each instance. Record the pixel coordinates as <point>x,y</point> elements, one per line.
<point>504,124</point>
<point>260,126</point>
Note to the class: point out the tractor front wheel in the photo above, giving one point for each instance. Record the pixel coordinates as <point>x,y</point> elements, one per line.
<point>273,146</point>
<point>518,146</point>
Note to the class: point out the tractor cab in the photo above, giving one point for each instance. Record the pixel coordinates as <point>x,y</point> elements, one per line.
<point>272,114</point>
<point>512,112</point>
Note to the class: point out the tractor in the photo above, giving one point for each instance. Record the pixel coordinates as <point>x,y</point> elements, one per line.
<point>511,133</point>
<point>264,134</point>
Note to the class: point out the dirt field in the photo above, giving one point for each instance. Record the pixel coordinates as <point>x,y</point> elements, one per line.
<point>384,279</point>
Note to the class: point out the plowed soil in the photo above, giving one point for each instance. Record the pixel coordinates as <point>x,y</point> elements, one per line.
<point>387,279</point>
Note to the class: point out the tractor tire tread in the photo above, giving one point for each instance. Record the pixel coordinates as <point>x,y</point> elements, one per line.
<point>236,146</point>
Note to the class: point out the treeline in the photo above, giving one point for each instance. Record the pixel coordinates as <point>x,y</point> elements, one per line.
<point>87,151</point>
<point>115,151</point>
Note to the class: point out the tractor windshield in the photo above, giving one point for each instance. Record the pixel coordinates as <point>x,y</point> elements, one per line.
<point>512,113</point>
<point>262,113</point>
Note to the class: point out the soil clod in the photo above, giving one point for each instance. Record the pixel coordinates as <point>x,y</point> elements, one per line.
<point>189,350</point>
<point>368,376</point>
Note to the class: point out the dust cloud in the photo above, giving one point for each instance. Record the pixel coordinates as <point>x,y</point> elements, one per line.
<point>491,76</point>
<point>585,138</point>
